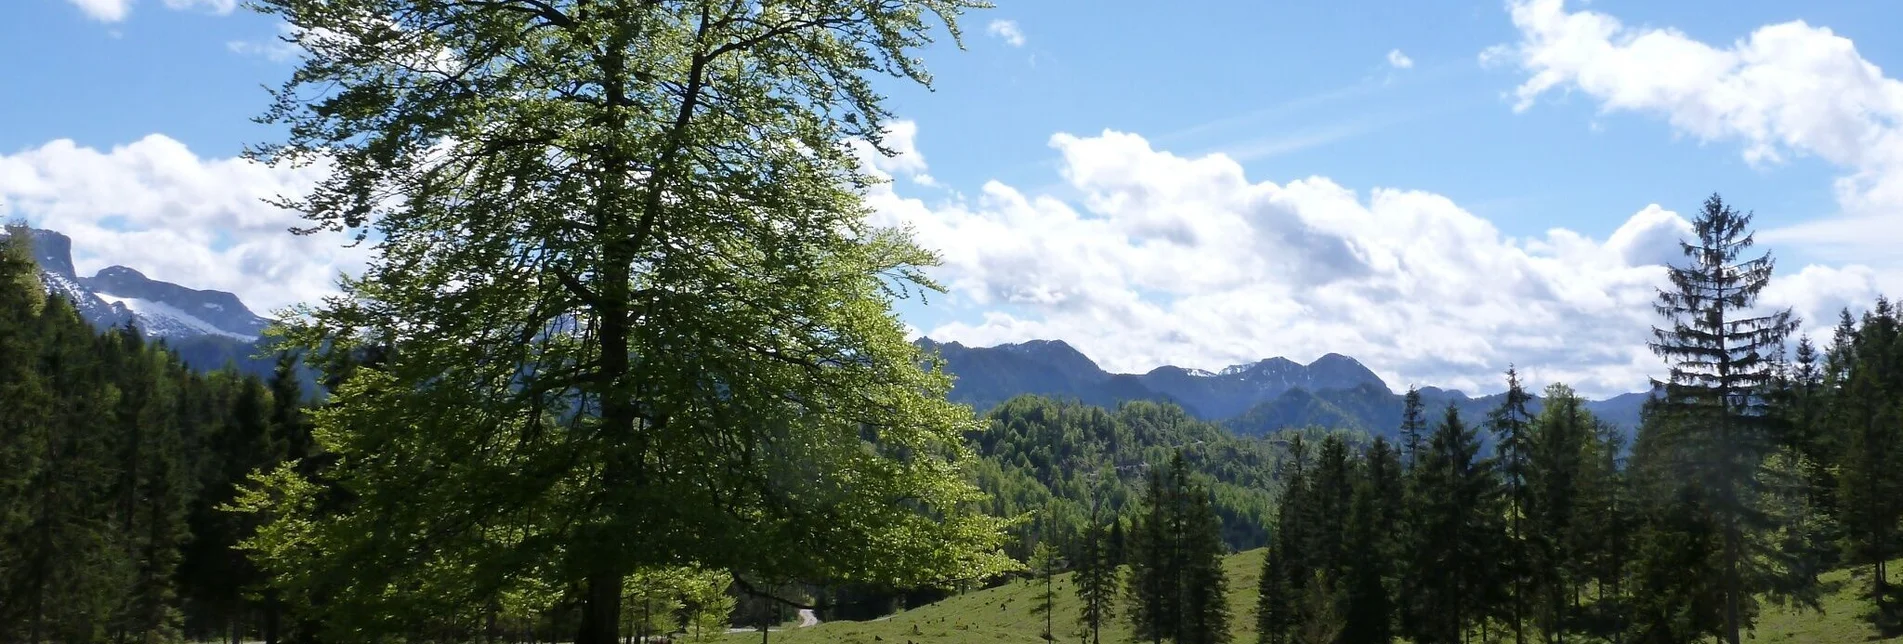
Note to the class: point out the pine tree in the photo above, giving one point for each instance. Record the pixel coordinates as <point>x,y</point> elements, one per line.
<point>1560,448</point>
<point>1205,588</point>
<point>1320,618</point>
<point>1413,426</point>
<point>1285,568</point>
<point>1044,565</point>
<point>1676,592</point>
<point>1276,598</point>
<point>1720,375</point>
<point>1457,531</point>
<point>1511,424</point>
<point>1096,576</point>
<point>1369,610</point>
<point>1177,590</point>
<point>1153,590</point>
<point>1870,481</point>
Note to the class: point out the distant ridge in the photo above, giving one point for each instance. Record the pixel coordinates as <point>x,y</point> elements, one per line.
<point>208,328</point>
<point>1252,399</point>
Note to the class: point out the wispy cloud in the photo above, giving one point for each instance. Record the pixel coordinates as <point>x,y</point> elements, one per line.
<point>1007,30</point>
<point>1304,138</point>
<point>118,10</point>
<point>1399,60</point>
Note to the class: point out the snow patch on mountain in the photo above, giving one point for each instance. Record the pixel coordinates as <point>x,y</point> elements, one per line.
<point>159,319</point>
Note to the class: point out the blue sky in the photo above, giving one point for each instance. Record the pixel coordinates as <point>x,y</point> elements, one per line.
<point>1192,182</point>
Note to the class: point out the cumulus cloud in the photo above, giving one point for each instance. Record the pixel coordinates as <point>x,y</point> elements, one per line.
<point>104,10</point>
<point>1398,60</point>
<point>1166,259</point>
<point>157,207</point>
<point>906,160</point>
<point>1008,31</point>
<point>1786,90</point>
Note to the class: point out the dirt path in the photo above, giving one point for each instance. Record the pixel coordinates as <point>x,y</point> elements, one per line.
<point>808,619</point>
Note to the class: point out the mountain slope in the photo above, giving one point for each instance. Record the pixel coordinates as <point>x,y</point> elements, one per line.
<point>209,329</point>
<point>118,295</point>
<point>1255,399</point>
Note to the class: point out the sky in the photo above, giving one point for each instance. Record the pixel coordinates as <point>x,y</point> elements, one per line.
<point>1439,189</point>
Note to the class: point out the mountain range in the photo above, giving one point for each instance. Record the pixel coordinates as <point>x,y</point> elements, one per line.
<point>207,328</point>
<point>212,328</point>
<point>1334,391</point>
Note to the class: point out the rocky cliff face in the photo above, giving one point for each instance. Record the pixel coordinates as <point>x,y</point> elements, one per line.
<point>118,295</point>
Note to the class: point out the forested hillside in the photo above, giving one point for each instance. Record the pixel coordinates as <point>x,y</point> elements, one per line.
<point>115,459</point>
<point>1057,462</point>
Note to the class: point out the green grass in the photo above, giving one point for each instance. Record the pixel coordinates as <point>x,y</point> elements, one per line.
<point>1845,615</point>
<point>1003,614</point>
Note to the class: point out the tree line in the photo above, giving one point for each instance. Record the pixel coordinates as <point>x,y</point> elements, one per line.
<point>121,475</point>
<point>1753,470</point>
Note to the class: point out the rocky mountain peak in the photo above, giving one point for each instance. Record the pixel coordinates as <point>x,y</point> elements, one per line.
<point>118,295</point>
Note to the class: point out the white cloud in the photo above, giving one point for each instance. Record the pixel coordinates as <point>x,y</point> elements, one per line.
<point>1786,90</point>
<point>276,50</point>
<point>1399,60</point>
<point>901,138</point>
<point>1007,30</point>
<point>199,222</point>
<point>104,10</point>
<point>117,10</point>
<point>1165,259</point>
<point>220,7</point>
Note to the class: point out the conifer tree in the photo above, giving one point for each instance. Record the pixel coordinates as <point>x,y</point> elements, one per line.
<point>1285,567</point>
<point>1721,372</point>
<point>1369,604</point>
<point>1456,523</point>
<point>1511,425</point>
<point>1205,588</point>
<point>1096,577</point>
<point>1044,564</point>
<point>1413,426</point>
<point>1870,422</point>
<point>1154,598</point>
<point>1676,592</point>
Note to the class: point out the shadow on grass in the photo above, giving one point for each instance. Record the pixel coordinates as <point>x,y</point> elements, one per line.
<point>1886,613</point>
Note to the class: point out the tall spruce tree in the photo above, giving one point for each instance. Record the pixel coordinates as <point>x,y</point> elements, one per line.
<point>1719,348</point>
<point>1456,525</point>
<point>1204,586</point>
<point>1560,450</point>
<point>1511,425</point>
<point>1155,607</point>
<point>1045,563</point>
<point>1177,590</point>
<point>1369,602</point>
<point>1413,426</point>
<point>1097,570</point>
<point>1285,567</point>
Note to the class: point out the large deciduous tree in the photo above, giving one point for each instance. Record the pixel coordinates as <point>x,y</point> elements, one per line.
<point>629,310</point>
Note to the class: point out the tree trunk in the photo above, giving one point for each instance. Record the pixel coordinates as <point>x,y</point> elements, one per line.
<point>1733,585</point>
<point>271,610</point>
<point>601,610</point>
